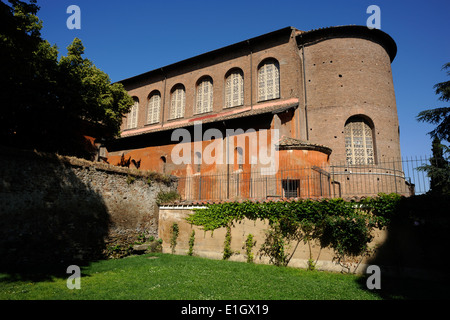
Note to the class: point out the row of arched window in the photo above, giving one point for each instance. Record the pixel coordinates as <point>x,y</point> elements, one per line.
<point>268,88</point>
<point>359,144</point>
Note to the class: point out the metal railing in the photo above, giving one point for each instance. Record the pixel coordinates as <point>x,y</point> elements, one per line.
<point>401,176</point>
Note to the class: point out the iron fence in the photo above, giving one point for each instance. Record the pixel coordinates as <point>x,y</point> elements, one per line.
<point>402,176</point>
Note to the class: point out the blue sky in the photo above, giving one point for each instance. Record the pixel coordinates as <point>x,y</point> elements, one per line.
<point>126,38</point>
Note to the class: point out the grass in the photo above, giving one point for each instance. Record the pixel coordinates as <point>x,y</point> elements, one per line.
<point>172,277</point>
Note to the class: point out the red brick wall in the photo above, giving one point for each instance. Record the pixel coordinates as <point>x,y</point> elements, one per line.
<point>345,77</point>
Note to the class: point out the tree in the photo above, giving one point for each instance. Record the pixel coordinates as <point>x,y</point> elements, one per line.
<point>49,104</point>
<point>439,116</point>
<point>87,94</point>
<point>439,169</point>
<point>28,70</point>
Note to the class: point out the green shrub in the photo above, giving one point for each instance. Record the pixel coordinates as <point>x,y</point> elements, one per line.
<point>173,239</point>
<point>227,252</point>
<point>191,243</point>
<point>248,246</point>
<point>164,197</point>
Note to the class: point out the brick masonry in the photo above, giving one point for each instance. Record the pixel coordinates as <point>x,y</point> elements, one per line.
<point>334,73</point>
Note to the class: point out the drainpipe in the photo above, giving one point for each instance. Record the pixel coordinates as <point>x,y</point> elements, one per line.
<point>251,75</point>
<point>164,98</point>
<point>226,161</point>
<point>304,89</point>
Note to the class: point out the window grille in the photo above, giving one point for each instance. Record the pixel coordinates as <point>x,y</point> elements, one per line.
<point>291,188</point>
<point>154,104</point>
<point>178,103</point>
<point>133,115</point>
<point>359,142</point>
<point>204,96</point>
<point>269,81</point>
<point>234,89</point>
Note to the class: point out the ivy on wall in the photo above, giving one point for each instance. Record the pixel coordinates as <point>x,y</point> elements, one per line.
<point>344,226</point>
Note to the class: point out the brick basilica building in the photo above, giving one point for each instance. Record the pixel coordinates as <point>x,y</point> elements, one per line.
<point>321,101</point>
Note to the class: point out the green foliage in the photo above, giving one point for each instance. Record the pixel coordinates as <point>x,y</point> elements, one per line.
<point>173,240</point>
<point>274,247</point>
<point>439,116</point>
<point>191,243</point>
<point>130,179</point>
<point>90,92</point>
<point>311,265</point>
<point>179,277</point>
<point>346,227</point>
<point>167,197</point>
<point>49,104</point>
<point>227,252</point>
<point>382,209</point>
<point>438,170</point>
<point>248,246</point>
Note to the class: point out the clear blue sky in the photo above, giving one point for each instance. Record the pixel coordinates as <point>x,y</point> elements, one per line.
<point>126,38</point>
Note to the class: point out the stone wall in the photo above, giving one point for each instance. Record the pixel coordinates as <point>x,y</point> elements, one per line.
<point>211,244</point>
<point>58,209</point>
<point>402,250</point>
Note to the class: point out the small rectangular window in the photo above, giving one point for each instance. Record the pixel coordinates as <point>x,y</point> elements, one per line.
<point>291,188</point>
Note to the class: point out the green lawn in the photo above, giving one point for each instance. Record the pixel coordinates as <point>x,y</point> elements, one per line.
<point>167,277</point>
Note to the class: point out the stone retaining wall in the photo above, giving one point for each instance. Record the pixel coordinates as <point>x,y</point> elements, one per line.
<point>56,209</point>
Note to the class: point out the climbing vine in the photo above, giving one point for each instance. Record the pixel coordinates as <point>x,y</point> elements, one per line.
<point>173,239</point>
<point>227,252</point>
<point>248,246</point>
<point>191,243</point>
<point>344,226</point>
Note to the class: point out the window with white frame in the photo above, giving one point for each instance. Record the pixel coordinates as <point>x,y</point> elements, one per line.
<point>154,105</point>
<point>178,101</point>
<point>359,144</point>
<point>204,98</point>
<point>269,80</point>
<point>234,89</point>
<point>133,115</point>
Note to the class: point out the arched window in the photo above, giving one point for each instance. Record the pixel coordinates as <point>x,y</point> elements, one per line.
<point>133,114</point>
<point>178,101</point>
<point>268,80</point>
<point>359,145</point>
<point>234,88</point>
<point>154,105</point>
<point>204,96</point>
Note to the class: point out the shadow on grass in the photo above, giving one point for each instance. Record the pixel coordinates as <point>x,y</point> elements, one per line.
<point>50,219</point>
<point>413,257</point>
<point>408,288</point>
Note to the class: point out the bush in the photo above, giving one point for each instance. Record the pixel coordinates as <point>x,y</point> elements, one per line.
<point>173,239</point>
<point>164,197</point>
<point>191,243</point>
